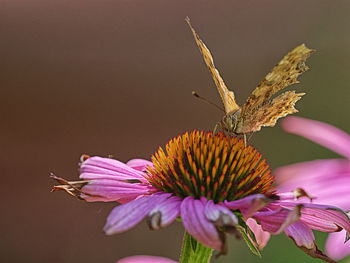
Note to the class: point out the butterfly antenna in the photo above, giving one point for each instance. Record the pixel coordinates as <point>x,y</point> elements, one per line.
<point>207,101</point>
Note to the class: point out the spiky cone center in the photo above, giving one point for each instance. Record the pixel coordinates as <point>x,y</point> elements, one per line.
<point>218,167</point>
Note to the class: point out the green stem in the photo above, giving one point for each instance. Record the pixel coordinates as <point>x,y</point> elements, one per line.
<point>193,251</point>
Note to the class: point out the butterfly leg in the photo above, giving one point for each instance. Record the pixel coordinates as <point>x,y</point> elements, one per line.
<point>217,126</point>
<point>245,140</point>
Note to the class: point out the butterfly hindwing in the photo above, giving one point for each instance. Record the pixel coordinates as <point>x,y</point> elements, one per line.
<point>269,113</point>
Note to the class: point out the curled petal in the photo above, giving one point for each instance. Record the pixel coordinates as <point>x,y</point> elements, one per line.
<point>335,246</point>
<point>275,221</point>
<point>139,164</point>
<point>126,216</point>
<point>220,215</point>
<point>164,213</point>
<point>96,167</point>
<point>250,204</point>
<point>145,259</point>
<point>261,236</point>
<point>321,133</point>
<point>197,225</point>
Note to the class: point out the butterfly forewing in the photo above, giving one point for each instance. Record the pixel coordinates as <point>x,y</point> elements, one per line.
<point>227,96</point>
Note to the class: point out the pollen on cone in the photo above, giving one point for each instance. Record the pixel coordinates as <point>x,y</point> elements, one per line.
<point>218,167</point>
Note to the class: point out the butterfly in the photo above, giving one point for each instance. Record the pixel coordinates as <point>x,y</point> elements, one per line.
<point>260,109</point>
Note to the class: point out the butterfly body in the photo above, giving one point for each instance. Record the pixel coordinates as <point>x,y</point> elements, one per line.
<point>260,109</point>
<point>229,122</point>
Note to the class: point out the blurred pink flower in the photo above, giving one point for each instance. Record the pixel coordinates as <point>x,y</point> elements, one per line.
<point>145,259</point>
<point>214,183</point>
<point>326,180</point>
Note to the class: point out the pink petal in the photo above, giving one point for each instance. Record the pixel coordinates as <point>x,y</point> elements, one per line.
<point>275,221</point>
<point>322,217</point>
<point>164,213</point>
<point>304,239</point>
<point>326,180</point>
<point>298,194</point>
<point>321,133</point>
<point>335,247</point>
<point>301,234</point>
<point>197,225</point>
<point>261,236</point>
<point>111,190</point>
<point>145,259</point>
<point>105,168</point>
<point>220,214</point>
<point>126,216</point>
<point>249,205</point>
<point>139,164</point>
<point>325,218</point>
<point>292,176</point>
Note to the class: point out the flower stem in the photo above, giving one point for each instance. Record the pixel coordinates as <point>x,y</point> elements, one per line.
<point>193,251</point>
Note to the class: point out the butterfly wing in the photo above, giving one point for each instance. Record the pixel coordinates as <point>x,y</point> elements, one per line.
<point>227,96</point>
<point>284,74</point>
<point>259,110</point>
<point>270,112</point>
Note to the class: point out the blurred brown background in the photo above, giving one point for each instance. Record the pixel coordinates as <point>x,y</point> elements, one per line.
<point>115,77</point>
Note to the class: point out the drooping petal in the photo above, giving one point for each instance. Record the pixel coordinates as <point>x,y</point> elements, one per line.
<point>326,180</point>
<point>197,225</point>
<point>322,217</point>
<point>303,237</point>
<point>96,167</point>
<point>164,213</point>
<point>111,190</point>
<point>145,259</point>
<point>301,234</point>
<point>139,164</point>
<point>276,221</point>
<point>250,204</point>
<point>335,246</point>
<point>261,236</point>
<point>321,133</point>
<point>126,216</point>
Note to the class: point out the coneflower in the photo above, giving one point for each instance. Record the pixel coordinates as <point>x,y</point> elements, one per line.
<point>215,185</point>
